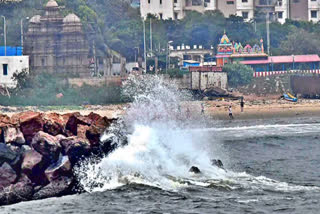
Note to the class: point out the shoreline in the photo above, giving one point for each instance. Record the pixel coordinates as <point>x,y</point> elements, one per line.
<point>215,109</point>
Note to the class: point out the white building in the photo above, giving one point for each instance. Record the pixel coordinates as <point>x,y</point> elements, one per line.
<point>10,65</point>
<point>313,10</point>
<point>245,8</point>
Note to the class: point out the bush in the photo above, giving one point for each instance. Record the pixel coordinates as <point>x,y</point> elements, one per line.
<point>238,74</point>
<point>42,90</point>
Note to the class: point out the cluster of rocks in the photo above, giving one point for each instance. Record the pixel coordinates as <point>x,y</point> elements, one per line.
<point>39,150</point>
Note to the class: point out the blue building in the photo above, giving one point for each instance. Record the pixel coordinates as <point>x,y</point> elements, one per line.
<point>11,51</point>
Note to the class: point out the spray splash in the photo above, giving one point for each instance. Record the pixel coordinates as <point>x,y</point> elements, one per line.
<point>157,145</point>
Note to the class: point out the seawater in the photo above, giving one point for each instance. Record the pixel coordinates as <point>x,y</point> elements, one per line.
<point>270,166</point>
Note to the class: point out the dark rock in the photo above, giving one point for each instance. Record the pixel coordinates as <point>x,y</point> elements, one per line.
<point>217,163</point>
<point>20,191</point>
<point>96,130</point>
<point>30,124</point>
<point>6,154</point>
<point>94,117</point>
<point>195,170</point>
<point>33,165</point>
<point>58,187</point>
<point>54,124</point>
<point>61,168</point>
<point>75,148</point>
<point>47,145</point>
<point>76,119</point>
<point>7,175</point>
<point>13,135</point>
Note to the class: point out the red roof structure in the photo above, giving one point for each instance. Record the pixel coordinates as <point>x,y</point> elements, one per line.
<point>284,59</point>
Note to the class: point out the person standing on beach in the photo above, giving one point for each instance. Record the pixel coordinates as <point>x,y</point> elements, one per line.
<point>241,104</point>
<point>188,112</point>
<point>230,112</point>
<point>202,108</point>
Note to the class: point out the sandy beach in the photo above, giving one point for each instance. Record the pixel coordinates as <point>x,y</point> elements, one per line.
<point>254,108</point>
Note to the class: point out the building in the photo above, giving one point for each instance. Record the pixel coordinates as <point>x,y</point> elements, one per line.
<point>10,65</point>
<point>191,55</point>
<point>206,77</point>
<point>278,10</point>
<point>57,44</point>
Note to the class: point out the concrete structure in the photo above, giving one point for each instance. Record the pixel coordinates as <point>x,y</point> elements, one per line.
<point>194,53</point>
<point>57,44</point>
<point>279,10</point>
<point>10,65</point>
<point>205,77</point>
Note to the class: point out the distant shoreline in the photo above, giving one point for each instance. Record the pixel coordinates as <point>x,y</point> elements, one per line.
<point>216,109</point>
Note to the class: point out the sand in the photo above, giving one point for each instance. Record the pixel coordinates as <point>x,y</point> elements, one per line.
<point>217,109</point>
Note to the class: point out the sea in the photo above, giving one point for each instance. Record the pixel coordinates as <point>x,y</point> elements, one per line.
<point>269,165</point>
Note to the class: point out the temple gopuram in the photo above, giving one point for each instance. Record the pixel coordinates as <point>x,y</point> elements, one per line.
<point>230,52</point>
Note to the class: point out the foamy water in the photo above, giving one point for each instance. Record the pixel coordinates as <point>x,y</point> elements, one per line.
<point>162,147</point>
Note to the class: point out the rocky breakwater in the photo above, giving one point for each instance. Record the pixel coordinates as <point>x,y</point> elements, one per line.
<point>39,150</point>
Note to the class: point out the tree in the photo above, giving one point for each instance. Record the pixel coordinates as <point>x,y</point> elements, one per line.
<point>238,74</point>
<point>300,41</point>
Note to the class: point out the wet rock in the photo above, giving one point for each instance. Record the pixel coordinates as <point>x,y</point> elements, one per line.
<point>195,170</point>
<point>33,165</point>
<point>75,148</point>
<point>75,120</point>
<point>47,145</point>
<point>96,130</point>
<point>13,135</point>
<point>30,124</point>
<point>94,117</point>
<point>57,187</point>
<point>61,168</point>
<point>20,191</point>
<point>6,154</point>
<point>217,162</point>
<point>7,175</point>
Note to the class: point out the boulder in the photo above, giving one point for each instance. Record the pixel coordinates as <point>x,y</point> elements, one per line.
<point>5,121</point>
<point>95,131</point>
<point>82,130</point>
<point>13,135</point>
<point>94,117</point>
<point>76,119</point>
<point>217,162</point>
<point>58,187</point>
<point>7,175</point>
<point>61,168</point>
<point>33,165</point>
<point>47,145</point>
<point>54,124</point>
<point>195,170</point>
<point>6,154</point>
<point>30,124</point>
<point>20,191</point>
<point>75,148</point>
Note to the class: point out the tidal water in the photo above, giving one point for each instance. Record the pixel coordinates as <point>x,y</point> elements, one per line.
<point>271,166</point>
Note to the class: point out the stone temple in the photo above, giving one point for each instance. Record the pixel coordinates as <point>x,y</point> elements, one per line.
<point>57,44</point>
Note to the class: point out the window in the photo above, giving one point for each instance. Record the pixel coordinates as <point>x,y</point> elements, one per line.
<point>160,15</point>
<point>160,1</point>
<point>149,1</point>
<point>279,3</point>
<point>244,1</point>
<point>42,62</point>
<point>314,14</point>
<point>230,2</point>
<point>175,1</point>
<point>207,1</point>
<point>245,15</point>
<point>5,69</point>
<point>296,1</point>
<point>280,15</point>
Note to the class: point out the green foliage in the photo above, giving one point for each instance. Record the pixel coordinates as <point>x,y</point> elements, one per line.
<point>42,90</point>
<point>238,74</point>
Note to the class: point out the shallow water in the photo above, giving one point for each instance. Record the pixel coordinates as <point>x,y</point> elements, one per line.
<point>272,166</point>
